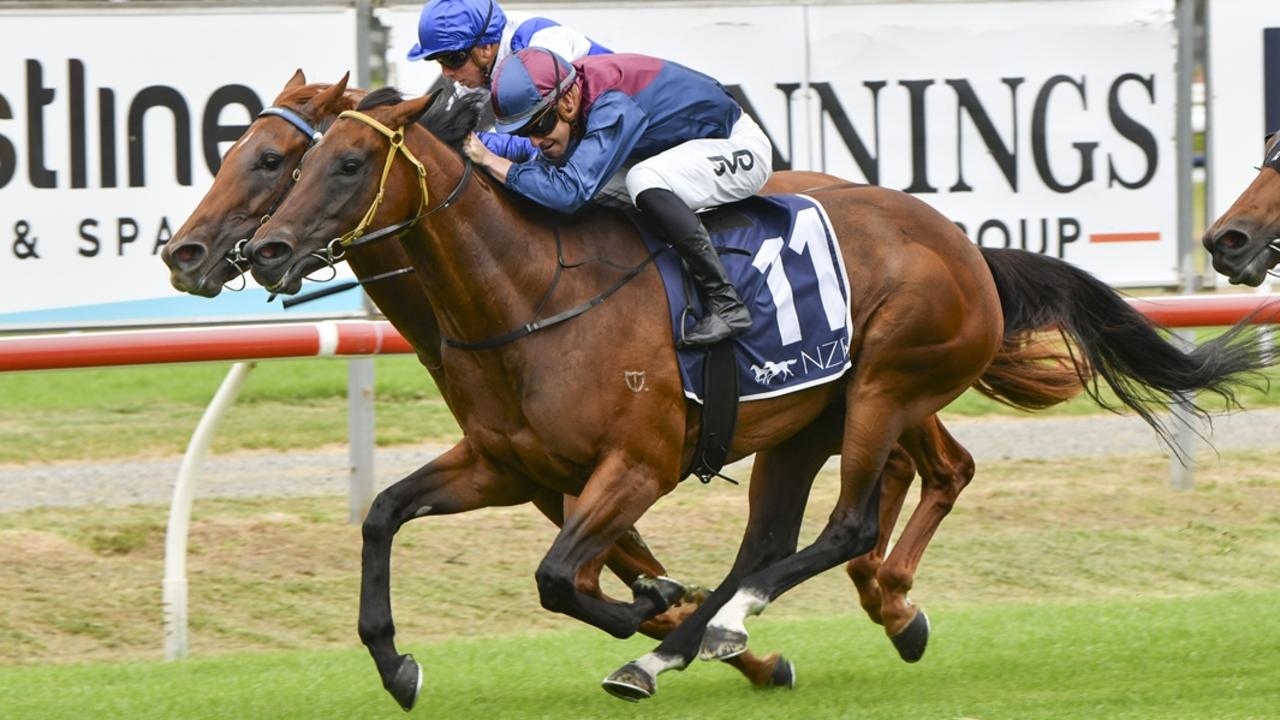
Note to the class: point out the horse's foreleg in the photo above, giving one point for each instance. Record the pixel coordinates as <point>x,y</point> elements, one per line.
<point>780,482</point>
<point>896,479</point>
<point>455,482</point>
<point>631,559</point>
<point>945,469</point>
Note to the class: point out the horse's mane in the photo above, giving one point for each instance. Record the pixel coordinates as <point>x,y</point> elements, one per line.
<point>451,122</point>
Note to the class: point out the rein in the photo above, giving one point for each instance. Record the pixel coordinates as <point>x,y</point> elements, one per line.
<point>573,312</point>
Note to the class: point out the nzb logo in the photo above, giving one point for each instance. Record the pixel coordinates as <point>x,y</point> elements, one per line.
<point>741,160</point>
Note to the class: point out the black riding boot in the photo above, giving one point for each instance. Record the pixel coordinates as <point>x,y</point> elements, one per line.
<point>724,315</point>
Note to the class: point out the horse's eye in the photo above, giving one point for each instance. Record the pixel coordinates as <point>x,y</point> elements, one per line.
<point>350,166</point>
<point>270,160</point>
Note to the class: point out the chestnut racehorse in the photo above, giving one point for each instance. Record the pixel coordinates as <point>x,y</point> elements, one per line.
<point>1245,241</point>
<point>254,177</point>
<point>257,173</point>
<point>553,410</point>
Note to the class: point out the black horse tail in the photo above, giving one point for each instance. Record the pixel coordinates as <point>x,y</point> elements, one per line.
<point>1108,339</point>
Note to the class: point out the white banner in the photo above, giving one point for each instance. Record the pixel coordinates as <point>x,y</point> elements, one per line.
<point>1041,125</point>
<point>1243,94</point>
<point>111,125</point>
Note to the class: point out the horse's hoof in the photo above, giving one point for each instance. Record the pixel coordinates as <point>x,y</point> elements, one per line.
<point>912,639</point>
<point>722,643</point>
<point>784,674</point>
<point>406,683</point>
<point>631,683</point>
<point>662,590</point>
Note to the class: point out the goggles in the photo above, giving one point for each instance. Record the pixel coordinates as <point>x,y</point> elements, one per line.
<point>453,59</point>
<point>542,124</point>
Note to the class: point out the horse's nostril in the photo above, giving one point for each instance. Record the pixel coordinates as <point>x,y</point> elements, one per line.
<point>272,251</point>
<point>1232,240</point>
<point>188,253</point>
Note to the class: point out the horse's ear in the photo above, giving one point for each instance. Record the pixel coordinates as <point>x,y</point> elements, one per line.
<point>298,80</point>
<point>408,112</point>
<point>327,99</point>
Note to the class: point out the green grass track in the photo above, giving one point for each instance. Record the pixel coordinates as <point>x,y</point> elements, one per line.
<point>1196,658</point>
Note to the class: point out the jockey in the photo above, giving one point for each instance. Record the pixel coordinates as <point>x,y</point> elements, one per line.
<point>668,139</point>
<point>470,37</point>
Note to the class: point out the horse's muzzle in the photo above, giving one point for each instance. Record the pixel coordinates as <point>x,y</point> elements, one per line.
<point>1243,254</point>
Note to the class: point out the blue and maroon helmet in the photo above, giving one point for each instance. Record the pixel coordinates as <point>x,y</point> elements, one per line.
<point>525,83</point>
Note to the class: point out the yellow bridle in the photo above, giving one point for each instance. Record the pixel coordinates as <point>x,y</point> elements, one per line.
<point>396,137</point>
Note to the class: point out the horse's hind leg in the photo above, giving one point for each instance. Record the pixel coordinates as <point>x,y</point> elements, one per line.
<point>945,469</point>
<point>455,482</point>
<point>630,559</point>
<point>899,471</point>
<point>779,489</point>
<point>873,422</point>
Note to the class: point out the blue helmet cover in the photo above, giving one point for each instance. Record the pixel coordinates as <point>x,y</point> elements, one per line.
<point>451,25</point>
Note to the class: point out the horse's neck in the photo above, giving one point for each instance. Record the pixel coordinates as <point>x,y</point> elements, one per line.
<point>484,261</point>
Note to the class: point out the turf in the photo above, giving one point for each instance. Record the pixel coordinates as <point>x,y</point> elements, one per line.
<point>1205,657</point>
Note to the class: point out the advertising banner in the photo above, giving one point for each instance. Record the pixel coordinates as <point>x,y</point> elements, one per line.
<point>1048,126</point>
<point>112,124</point>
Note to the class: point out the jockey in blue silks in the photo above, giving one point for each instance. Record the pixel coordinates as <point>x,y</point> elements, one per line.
<point>470,37</point>
<point>667,139</point>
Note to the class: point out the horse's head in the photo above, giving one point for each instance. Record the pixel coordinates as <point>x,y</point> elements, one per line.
<point>359,177</point>
<point>256,173</point>
<point>1243,242</point>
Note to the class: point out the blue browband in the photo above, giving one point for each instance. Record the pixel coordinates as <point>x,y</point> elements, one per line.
<point>295,120</point>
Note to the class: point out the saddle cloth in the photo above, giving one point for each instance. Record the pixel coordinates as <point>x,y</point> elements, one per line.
<point>782,256</point>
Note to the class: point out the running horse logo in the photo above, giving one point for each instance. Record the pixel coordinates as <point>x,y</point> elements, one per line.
<point>772,370</point>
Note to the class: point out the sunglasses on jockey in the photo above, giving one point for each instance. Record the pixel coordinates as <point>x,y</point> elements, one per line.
<point>544,121</point>
<point>454,59</point>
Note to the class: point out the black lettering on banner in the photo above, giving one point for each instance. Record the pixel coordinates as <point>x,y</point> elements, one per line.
<point>91,243</point>
<point>214,133</point>
<point>868,162</point>
<point>107,136</point>
<point>37,97</point>
<point>1044,236</point>
<point>919,139</point>
<point>1006,156</point>
<point>1132,130</point>
<point>8,155</point>
<point>1040,140</point>
<point>75,102</point>
<point>163,235</point>
<point>993,225</point>
<point>166,97</point>
<point>122,238</point>
<point>1068,232</point>
<point>24,249</point>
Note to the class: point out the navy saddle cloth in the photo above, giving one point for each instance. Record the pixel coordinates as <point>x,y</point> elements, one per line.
<point>782,256</point>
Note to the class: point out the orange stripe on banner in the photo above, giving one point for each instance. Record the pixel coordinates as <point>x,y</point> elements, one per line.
<point>1124,237</point>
